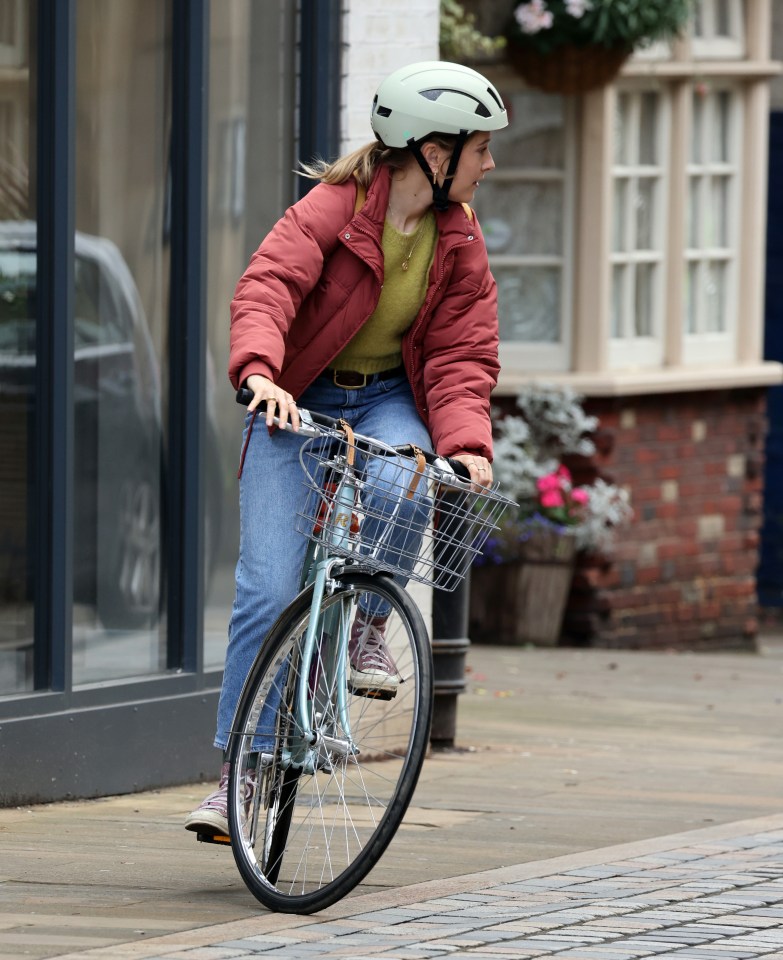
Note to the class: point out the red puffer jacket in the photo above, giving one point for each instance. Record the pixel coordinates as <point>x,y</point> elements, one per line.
<point>316,279</point>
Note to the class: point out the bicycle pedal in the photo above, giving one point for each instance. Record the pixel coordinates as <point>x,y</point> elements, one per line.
<point>218,838</point>
<point>372,694</point>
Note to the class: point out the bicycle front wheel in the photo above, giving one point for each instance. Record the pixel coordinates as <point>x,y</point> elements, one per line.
<point>310,818</point>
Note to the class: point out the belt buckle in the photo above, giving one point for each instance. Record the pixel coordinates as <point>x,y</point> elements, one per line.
<point>347,386</point>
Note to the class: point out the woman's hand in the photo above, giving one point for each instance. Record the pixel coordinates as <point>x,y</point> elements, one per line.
<point>276,400</point>
<point>480,468</point>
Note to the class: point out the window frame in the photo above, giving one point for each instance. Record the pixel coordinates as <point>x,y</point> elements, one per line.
<point>712,46</point>
<point>704,346</point>
<point>625,351</point>
<point>594,370</point>
<point>538,355</point>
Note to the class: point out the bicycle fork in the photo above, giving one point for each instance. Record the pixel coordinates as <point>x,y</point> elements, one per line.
<point>326,732</point>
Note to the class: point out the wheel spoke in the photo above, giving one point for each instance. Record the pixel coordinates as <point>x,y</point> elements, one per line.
<point>324,812</point>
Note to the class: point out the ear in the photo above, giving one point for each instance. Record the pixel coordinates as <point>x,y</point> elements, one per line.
<point>433,155</point>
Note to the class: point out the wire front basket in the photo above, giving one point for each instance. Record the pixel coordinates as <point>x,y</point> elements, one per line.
<point>393,512</point>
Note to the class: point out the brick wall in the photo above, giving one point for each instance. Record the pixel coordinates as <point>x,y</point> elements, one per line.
<point>379,37</point>
<point>683,574</point>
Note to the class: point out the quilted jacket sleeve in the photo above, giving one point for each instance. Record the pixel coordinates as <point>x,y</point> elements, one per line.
<point>281,273</point>
<point>461,363</point>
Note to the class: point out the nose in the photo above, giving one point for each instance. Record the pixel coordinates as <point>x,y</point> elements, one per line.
<point>489,163</point>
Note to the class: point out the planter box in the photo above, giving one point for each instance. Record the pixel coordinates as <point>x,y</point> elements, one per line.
<point>522,602</point>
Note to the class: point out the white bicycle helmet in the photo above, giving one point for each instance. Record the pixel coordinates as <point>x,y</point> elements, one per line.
<point>423,99</point>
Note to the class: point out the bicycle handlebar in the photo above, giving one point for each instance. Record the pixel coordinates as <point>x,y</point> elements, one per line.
<point>310,421</point>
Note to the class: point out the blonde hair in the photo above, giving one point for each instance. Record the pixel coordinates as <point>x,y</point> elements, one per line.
<point>363,163</point>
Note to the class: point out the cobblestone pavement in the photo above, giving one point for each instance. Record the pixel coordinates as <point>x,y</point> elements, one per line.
<point>708,900</point>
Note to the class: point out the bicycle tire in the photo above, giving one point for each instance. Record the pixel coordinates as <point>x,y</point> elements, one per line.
<point>284,821</point>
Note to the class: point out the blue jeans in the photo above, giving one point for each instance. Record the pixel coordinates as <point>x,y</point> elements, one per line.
<point>271,492</point>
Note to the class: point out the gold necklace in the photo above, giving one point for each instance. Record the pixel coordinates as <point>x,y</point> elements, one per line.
<point>406,260</point>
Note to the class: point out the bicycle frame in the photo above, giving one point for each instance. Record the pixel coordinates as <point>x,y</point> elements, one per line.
<point>323,565</point>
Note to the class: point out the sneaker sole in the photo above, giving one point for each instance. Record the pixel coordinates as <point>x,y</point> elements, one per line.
<point>207,821</point>
<point>379,685</point>
<point>374,680</point>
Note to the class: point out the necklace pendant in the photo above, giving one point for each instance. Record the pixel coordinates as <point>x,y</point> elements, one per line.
<point>404,264</point>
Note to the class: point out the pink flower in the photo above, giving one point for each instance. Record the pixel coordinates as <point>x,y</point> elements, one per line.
<point>578,8</point>
<point>533,16</point>
<point>550,482</point>
<point>552,498</point>
<point>580,496</point>
<point>564,472</point>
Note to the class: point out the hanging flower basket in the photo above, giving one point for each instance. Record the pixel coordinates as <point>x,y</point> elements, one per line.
<point>568,46</point>
<point>567,69</point>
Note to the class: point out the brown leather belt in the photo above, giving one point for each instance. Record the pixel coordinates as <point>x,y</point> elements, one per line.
<point>353,380</point>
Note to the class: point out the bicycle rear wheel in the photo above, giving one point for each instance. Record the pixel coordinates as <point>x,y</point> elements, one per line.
<point>309,821</point>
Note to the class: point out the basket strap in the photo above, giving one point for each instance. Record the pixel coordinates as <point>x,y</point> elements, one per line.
<point>421,463</point>
<point>349,439</point>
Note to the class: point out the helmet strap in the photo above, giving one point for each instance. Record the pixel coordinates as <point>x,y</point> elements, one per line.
<point>440,191</point>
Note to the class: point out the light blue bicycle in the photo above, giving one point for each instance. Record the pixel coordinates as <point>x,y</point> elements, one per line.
<point>323,769</point>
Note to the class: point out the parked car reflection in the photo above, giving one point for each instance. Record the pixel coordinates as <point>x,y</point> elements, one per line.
<point>119,462</point>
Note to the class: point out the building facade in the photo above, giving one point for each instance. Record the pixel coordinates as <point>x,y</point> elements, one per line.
<point>642,286</point>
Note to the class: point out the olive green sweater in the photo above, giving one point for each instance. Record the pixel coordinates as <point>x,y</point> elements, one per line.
<point>378,345</point>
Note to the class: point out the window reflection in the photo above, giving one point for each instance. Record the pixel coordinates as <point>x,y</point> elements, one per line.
<point>17,347</point>
<point>251,115</point>
<point>120,320</point>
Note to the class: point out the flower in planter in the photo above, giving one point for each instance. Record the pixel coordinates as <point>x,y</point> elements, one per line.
<point>528,468</point>
<point>545,25</point>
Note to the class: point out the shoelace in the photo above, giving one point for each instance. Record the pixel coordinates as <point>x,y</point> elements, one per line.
<point>373,647</point>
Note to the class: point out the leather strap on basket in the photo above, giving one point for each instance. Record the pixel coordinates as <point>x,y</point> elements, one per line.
<point>421,463</point>
<point>349,439</point>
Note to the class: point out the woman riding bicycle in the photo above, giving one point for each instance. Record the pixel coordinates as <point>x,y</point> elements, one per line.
<point>371,300</point>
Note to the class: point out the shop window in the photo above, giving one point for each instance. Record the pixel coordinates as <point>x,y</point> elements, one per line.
<point>251,182</point>
<point>638,229</point>
<point>13,32</point>
<point>121,308</point>
<point>18,322</point>
<point>525,209</point>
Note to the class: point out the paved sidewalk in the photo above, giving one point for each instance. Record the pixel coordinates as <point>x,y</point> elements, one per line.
<point>596,798</point>
<point>715,893</point>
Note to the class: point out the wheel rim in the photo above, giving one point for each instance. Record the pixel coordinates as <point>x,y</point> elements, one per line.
<point>300,846</point>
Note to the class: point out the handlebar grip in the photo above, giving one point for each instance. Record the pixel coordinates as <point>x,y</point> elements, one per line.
<point>244,396</point>
<point>458,467</point>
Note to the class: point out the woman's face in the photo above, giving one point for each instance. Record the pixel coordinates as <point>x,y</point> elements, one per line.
<point>475,161</point>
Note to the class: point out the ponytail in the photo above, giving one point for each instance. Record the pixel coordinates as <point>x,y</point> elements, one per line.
<point>361,163</point>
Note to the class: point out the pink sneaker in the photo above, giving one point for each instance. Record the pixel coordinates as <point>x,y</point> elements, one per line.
<point>211,816</point>
<point>373,671</point>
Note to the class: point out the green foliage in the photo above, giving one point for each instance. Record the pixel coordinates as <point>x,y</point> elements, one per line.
<point>547,24</point>
<point>459,37</point>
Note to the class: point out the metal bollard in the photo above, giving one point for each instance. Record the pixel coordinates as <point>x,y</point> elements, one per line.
<point>449,647</point>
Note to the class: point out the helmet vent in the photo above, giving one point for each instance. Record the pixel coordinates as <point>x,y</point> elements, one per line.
<point>495,97</point>
<point>435,93</point>
<point>384,111</point>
